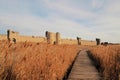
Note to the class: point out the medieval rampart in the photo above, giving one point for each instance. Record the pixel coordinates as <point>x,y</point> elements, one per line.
<point>86,42</point>
<point>69,41</point>
<point>50,38</point>
<point>12,35</point>
<point>31,39</point>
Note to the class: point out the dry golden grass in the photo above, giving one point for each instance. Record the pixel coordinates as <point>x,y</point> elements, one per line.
<point>107,59</point>
<point>35,61</point>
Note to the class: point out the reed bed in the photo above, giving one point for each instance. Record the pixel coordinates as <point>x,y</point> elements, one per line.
<point>107,60</point>
<point>35,61</point>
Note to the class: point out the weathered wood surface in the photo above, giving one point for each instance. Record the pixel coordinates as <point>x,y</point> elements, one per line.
<point>83,68</point>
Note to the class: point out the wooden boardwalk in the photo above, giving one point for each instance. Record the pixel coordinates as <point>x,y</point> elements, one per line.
<point>83,68</point>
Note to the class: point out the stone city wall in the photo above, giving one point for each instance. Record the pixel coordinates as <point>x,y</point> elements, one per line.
<point>30,39</point>
<point>50,38</point>
<point>69,41</point>
<point>86,42</point>
<point>20,38</point>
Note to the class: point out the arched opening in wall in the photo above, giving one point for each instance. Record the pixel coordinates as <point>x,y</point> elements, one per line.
<point>14,40</point>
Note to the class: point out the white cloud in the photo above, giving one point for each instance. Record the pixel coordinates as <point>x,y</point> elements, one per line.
<point>96,4</point>
<point>38,26</point>
<point>62,17</point>
<point>112,8</point>
<point>69,10</point>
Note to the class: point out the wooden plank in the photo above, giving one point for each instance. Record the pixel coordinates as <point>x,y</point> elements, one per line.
<point>83,68</point>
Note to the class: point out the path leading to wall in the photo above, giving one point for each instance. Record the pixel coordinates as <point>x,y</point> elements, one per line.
<point>83,68</point>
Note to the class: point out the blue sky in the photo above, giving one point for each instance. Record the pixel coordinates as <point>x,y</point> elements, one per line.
<point>87,19</point>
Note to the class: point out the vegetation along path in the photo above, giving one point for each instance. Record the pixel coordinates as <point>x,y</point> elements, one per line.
<point>83,68</point>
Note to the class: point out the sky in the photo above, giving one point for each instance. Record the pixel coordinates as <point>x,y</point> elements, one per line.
<point>88,19</point>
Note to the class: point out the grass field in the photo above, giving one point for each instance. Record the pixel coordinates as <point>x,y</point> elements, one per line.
<point>40,61</point>
<point>35,61</point>
<point>107,60</point>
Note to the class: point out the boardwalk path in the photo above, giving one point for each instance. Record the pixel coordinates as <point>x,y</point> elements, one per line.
<point>83,68</point>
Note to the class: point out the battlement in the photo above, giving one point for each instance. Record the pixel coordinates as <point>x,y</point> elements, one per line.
<point>50,38</point>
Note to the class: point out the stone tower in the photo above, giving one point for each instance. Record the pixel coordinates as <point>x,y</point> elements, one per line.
<point>53,38</point>
<point>12,35</point>
<point>98,41</point>
<point>78,39</point>
<point>58,39</point>
<point>47,36</point>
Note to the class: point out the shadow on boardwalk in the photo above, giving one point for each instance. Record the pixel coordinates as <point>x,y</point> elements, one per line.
<point>83,68</point>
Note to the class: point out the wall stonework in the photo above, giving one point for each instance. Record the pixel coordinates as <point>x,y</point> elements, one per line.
<point>86,42</point>
<point>50,38</point>
<point>69,41</point>
<point>19,38</point>
<point>58,38</point>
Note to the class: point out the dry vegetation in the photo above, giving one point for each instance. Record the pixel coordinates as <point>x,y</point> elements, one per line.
<point>35,61</point>
<point>107,60</point>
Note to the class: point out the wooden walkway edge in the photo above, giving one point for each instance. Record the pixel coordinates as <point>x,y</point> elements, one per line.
<point>83,68</point>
